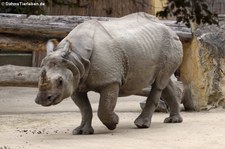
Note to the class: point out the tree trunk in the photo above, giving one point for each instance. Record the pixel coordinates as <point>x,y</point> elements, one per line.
<point>19,76</point>
<point>60,26</point>
<point>194,26</point>
<point>42,26</point>
<point>21,43</point>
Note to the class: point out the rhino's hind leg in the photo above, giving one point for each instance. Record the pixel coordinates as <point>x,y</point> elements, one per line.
<point>172,101</point>
<point>108,99</point>
<point>144,119</point>
<point>82,101</point>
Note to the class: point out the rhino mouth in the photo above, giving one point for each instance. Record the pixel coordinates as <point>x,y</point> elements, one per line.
<point>53,100</point>
<point>56,100</point>
<point>49,100</point>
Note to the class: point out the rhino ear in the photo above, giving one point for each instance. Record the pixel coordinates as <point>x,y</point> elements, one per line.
<point>51,44</point>
<point>67,49</point>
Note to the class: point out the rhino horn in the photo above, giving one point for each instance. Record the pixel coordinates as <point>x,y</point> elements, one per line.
<point>43,76</point>
<point>44,83</point>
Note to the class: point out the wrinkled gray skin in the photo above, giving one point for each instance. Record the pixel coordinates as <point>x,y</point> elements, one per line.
<point>181,91</point>
<point>114,58</point>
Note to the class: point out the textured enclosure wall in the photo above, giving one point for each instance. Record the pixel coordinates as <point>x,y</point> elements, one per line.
<point>109,8</point>
<point>203,67</point>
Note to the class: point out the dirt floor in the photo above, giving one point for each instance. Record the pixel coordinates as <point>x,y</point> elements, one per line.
<point>23,124</point>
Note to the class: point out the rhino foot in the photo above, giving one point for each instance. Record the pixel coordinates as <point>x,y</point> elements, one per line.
<point>111,125</point>
<point>142,122</point>
<point>173,119</point>
<point>83,130</point>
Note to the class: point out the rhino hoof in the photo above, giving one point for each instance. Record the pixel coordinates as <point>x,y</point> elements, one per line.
<point>142,122</point>
<point>174,119</point>
<point>83,131</point>
<point>111,125</point>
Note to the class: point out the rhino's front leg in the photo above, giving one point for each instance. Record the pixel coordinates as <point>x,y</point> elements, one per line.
<point>82,101</point>
<point>108,99</point>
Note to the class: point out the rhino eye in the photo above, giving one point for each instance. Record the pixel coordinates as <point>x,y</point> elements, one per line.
<point>59,81</point>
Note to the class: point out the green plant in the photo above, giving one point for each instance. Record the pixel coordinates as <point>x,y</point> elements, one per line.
<point>189,11</point>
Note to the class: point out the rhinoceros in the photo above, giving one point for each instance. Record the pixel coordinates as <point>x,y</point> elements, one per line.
<point>114,58</point>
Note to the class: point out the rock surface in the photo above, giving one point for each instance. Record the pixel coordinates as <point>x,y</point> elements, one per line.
<point>203,68</point>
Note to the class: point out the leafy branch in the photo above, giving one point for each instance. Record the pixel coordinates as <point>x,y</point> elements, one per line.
<point>189,11</point>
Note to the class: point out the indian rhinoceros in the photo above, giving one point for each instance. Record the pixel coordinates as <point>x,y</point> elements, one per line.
<point>114,58</point>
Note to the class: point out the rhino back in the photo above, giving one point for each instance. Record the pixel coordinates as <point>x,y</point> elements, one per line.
<point>130,50</point>
<point>149,47</point>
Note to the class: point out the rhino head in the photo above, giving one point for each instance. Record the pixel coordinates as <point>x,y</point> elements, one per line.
<point>59,77</point>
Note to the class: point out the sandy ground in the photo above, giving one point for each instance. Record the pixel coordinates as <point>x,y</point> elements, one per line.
<point>23,124</point>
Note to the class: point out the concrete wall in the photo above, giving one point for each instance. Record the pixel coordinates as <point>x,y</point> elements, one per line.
<point>103,8</point>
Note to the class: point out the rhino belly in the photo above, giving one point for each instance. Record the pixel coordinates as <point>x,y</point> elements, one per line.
<point>138,80</point>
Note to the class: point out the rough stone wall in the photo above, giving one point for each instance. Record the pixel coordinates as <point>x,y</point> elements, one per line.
<point>203,67</point>
<point>213,49</point>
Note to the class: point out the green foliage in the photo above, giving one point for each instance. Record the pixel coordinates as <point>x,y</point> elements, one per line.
<point>187,11</point>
